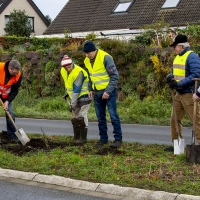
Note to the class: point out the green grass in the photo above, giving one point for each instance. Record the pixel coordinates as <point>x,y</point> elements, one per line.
<point>134,165</point>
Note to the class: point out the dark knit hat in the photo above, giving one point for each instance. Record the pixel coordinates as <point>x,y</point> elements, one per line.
<point>179,39</point>
<point>89,46</point>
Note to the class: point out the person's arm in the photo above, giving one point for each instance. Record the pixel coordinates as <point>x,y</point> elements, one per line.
<point>77,85</point>
<point>14,90</point>
<point>193,63</point>
<point>112,72</point>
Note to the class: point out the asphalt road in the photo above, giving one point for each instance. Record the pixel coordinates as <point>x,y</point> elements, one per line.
<point>146,134</point>
<point>15,189</point>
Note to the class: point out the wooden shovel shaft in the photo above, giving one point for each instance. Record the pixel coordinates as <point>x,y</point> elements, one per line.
<point>9,116</point>
<point>194,111</point>
<point>73,114</point>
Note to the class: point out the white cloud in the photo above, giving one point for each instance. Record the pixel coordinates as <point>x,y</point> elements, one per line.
<point>50,7</point>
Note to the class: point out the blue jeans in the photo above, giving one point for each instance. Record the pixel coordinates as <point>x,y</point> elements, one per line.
<point>100,108</point>
<point>10,128</point>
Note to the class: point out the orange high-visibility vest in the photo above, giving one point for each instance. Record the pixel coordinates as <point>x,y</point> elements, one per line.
<point>5,89</point>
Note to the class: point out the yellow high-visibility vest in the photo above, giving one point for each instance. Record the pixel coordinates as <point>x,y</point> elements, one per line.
<point>98,74</point>
<point>179,66</point>
<point>70,78</point>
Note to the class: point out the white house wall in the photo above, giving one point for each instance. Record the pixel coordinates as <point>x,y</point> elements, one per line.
<point>39,25</point>
<point>121,34</point>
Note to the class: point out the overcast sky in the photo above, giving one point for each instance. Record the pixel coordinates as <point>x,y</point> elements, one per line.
<point>50,7</point>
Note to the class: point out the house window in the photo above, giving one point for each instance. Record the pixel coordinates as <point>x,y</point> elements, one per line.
<point>31,19</point>
<point>122,6</point>
<point>170,3</point>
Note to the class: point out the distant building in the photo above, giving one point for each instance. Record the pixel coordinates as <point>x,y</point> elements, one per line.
<point>120,18</point>
<point>38,20</point>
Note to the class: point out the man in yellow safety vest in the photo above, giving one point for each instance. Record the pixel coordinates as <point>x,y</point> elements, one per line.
<point>103,88</point>
<point>76,85</point>
<point>186,66</point>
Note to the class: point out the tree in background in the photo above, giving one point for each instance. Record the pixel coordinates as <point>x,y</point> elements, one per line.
<point>18,24</point>
<point>48,18</point>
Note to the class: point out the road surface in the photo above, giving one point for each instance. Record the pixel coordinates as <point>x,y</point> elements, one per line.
<point>145,134</point>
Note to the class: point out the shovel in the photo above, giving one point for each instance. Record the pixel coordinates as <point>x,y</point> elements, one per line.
<point>77,122</point>
<point>179,144</point>
<point>193,151</point>
<point>21,135</point>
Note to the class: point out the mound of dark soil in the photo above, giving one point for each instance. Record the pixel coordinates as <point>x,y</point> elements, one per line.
<point>45,144</point>
<point>35,145</point>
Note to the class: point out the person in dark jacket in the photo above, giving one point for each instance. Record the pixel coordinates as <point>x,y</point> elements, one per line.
<point>10,81</point>
<point>186,66</point>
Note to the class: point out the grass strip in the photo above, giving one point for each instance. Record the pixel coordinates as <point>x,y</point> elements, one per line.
<point>132,165</point>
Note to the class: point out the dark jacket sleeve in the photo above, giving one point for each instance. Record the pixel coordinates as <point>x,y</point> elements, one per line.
<point>112,72</point>
<point>14,90</point>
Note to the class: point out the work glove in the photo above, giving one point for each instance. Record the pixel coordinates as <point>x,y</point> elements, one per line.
<point>173,85</point>
<point>71,108</point>
<point>65,96</point>
<point>170,78</point>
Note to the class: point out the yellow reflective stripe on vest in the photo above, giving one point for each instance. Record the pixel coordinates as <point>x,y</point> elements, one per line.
<point>179,66</point>
<point>98,74</point>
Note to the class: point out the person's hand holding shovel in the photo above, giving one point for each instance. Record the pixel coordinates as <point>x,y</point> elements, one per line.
<point>65,96</point>
<point>71,108</point>
<point>5,105</point>
<point>195,97</point>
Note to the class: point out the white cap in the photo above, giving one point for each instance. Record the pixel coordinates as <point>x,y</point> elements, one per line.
<point>66,61</point>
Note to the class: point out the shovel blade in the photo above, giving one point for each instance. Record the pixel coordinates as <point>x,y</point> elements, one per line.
<point>193,154</point>
<point>179,146</point>
<point>22,136</point>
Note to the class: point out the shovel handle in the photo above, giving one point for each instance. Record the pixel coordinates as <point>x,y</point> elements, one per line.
<point>9,116</point>
<point>194,111</point>
<point>73,114</point>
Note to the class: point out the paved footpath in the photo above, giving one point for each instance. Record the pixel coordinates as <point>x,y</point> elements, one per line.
<point>109,191</point>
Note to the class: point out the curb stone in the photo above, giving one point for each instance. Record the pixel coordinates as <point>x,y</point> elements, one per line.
<point>137,194</point>
<point>67,182</point>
